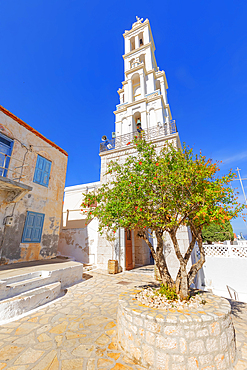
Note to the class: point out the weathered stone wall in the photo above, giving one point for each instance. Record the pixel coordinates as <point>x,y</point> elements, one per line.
<point>186,339</point>
<point>78,244</point>
<point>41,199</point>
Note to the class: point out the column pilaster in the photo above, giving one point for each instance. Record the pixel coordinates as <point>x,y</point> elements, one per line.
<point>142,84</point>
<point>130,91</point>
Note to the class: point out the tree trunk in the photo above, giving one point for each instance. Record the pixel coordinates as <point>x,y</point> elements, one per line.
<point>182,286</point>
<point>160,260</point>
<point>158,256</point>
<point>198,265</point>
<point>187,256</point>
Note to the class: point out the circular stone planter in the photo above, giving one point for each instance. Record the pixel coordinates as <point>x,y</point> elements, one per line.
<point>175,339</point>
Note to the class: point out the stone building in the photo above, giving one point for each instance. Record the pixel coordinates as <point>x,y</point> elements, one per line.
<point>143,106</point>
<point>32,178</point>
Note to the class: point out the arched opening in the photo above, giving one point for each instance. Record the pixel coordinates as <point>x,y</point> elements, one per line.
<point>152,118</point>
<point>132,62</point>
<point>140,37</point>
<point>124,127</point>
<point>132,43</point>
<point>136,87</point>
<point>157,84</point>
<point>137,120</point>
<point>142,58</point>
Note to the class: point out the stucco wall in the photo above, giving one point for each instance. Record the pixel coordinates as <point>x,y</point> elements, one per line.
<point>220,272</point>
<point>80,243</point>
<point>78,237</point>
<point>41,199</point>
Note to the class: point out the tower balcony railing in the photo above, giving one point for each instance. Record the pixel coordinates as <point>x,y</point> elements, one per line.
<point>150,134</point>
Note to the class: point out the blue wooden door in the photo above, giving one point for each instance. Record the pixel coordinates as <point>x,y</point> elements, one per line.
<point>5,152</point>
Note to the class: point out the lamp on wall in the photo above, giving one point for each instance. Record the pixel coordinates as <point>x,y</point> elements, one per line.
<point>106,142</point>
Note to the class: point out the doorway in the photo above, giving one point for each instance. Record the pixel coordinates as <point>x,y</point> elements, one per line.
<point>128,250</point>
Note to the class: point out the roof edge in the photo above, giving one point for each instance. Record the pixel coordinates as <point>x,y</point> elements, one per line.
<point>24,124</point>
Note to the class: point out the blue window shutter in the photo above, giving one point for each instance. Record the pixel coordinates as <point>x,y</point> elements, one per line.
<point>33,227</point>
<point>46,173</point>
<point>42,171</point>
<point>5,148</point>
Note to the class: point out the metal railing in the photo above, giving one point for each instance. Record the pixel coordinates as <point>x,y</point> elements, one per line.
<point>149,134</point>
<point>12,170</point>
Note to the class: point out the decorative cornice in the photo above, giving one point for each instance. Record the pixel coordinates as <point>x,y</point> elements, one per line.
<point>137,27</point>
<point>139,66</point>
<point>146,99</point>
<point>120,91</point>
<point>137,50</point>
<point>162,73</point>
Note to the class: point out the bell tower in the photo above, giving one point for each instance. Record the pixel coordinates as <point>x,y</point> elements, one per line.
<point>143,107</point>
<point>143,96</point>
<point>143,103</point>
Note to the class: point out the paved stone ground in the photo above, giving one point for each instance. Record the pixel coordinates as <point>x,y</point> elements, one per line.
<point>79,330</point>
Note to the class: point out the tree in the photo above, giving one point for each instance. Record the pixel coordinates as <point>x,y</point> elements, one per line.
<point>217,232</point>
<point>159,191</point>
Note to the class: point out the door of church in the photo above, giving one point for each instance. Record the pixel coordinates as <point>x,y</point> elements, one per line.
<point>128,250</point>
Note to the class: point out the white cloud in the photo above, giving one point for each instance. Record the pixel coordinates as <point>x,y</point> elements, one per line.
<point>235,157</point>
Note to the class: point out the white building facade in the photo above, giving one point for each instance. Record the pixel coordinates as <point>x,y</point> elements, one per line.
<point>143,105</point>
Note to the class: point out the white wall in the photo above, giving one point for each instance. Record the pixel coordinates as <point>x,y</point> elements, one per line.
<point>78,238</point>
<point>220,272</point>
<point>80,243</point>
<point>225,268</point>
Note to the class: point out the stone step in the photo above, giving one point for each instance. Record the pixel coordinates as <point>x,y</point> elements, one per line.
<point>22,283</point>
<point>13,307</point>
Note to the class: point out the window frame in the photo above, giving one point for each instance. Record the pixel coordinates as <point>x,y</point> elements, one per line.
<point>33,239</point>
<point>42,170</point>
<point>5,169</point>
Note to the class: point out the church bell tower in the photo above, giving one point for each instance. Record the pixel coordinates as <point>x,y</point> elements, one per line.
<point>143,100</point>
<point>143,107</point>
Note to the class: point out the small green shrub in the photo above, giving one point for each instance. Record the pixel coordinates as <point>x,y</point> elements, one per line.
<point>170,293</point>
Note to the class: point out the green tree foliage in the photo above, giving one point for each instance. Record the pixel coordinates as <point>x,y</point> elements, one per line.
<point>217,232</point>
<point>157,191</point>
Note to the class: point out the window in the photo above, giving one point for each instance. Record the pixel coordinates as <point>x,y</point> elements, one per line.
<point>42,171</point>
<point>5,153</point>
<point>33,227</point>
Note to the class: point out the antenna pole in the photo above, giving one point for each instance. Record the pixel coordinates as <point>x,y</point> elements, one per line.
<point>238,169</point>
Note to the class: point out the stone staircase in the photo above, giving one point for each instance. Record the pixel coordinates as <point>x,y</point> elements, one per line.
<point>20,294</point>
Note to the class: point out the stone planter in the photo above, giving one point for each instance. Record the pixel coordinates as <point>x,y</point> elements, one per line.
<point>186,339</point>
<point>112,266</point>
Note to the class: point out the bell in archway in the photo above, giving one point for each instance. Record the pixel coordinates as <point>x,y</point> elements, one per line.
<point>138,122</point>
<point>138,126</point>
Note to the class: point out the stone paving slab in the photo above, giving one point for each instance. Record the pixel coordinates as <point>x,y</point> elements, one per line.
<point>79,330</point>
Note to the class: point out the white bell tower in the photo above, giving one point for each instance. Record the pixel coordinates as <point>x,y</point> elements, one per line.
<point>143,98</point>
<point>143,108</point>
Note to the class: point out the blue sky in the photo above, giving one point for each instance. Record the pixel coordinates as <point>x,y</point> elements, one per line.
<point>61,65</point>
